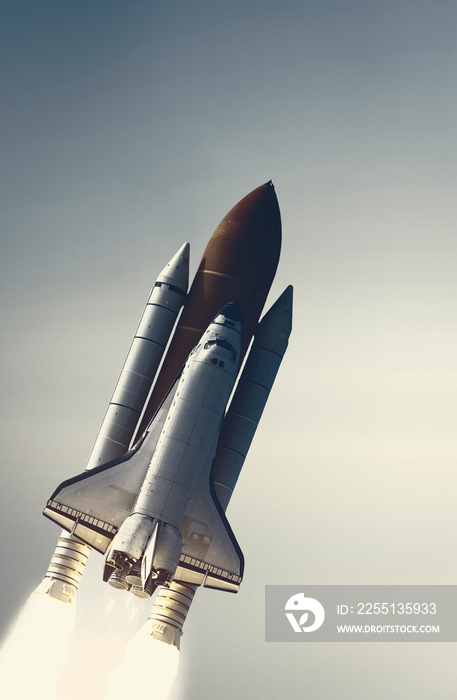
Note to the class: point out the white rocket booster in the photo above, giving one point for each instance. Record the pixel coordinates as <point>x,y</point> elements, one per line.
<point>133,386</point>
<point>251,395</point>
<point>166,299</point>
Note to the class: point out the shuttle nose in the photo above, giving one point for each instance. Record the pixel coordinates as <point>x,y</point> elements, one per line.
<point>231,311</point>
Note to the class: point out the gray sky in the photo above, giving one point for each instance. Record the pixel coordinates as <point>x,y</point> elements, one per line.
<point>129,128</point>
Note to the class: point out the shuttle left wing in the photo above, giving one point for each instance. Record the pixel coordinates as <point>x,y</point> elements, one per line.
<point>94,504</point>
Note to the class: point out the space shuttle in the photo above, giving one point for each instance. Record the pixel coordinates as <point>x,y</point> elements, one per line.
<point>174,439</point>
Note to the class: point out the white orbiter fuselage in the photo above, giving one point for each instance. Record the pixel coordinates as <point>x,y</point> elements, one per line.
<point>153,510</point>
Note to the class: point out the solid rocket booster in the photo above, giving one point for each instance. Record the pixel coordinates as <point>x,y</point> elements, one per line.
<point>167,617</point>
<point>127,403</point>
<point>166,299</point>
<point>252,392</point>
<point>238,264</point>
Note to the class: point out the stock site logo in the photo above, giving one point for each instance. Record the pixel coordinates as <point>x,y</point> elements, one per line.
<point>300,604</point>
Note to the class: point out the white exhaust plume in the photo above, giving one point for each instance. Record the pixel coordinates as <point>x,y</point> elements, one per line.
<point>107,651</point>
<point>35,650</point>
<point>144,652</point>
<point>50,655</point>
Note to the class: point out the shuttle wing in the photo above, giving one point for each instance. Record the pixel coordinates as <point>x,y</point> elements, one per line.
<point>210,555</point>
<point>93,505</point>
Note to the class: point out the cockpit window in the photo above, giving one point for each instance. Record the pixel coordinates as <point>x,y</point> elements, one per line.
<point>222,344</point>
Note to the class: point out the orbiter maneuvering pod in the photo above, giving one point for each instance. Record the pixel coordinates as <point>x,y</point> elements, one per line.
<point>157,510</point>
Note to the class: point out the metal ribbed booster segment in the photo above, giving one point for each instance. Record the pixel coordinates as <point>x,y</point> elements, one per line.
<point>167,297</point>
<point>169,612</point>
<point>252,392</point>
<point>65,570</point>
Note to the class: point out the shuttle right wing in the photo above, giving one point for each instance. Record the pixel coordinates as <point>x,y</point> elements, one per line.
<point>210,554</point>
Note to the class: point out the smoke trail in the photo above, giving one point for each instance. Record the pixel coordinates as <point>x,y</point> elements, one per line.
<point>105,622</point>
<point>36,648</point>
<point>109,655</point>
<point>52,654</point>
<point>148,665</point>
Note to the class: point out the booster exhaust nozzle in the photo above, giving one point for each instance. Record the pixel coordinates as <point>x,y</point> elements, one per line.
<point>118,580</point>
<point>169,612</point>
<point>65,570</point>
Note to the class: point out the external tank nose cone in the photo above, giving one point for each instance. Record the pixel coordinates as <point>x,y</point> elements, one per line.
<point>248,239</point>
<point>238,264</point>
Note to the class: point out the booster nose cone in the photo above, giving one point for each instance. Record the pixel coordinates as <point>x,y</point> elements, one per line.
<point>231,311</point>
<point>176,272</point>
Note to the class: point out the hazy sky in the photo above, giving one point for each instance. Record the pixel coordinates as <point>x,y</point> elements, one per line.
<point>128,128</point>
